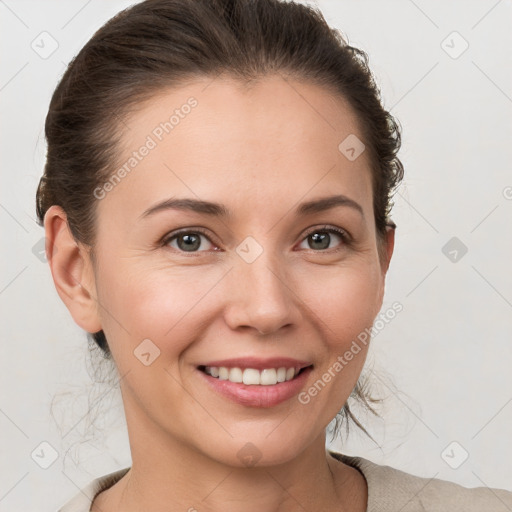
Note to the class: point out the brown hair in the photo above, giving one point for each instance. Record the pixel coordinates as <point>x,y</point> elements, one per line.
<point>159,44</point>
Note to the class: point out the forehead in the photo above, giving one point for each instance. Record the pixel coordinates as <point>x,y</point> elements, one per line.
<point>272,142</point>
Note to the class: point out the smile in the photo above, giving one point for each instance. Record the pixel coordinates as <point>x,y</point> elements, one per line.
<point>252,376</point>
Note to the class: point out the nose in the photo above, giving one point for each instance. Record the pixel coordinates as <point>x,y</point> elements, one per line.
<point>261,297</point>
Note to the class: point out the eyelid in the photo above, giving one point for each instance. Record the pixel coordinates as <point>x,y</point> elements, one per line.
<point>342,233</point>
<point>166,239</point>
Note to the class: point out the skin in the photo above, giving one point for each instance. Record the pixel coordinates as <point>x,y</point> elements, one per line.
<point>260,151</point>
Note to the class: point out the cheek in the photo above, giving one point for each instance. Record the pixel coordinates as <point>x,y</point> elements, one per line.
<point>164,305</point>
<point>173,305</point>
<point>344,303</point>
<point>345,299</point>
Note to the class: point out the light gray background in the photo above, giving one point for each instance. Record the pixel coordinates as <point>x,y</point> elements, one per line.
<point>448,353</point>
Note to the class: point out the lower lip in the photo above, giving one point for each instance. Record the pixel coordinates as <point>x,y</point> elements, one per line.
<point>258,396</point>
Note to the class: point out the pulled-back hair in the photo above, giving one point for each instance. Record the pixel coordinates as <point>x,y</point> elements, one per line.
<point>160,44</point>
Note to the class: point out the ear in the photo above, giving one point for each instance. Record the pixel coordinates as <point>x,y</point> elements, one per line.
<point>71,270</point>
<point>389,245</point>
<point>385,253</point>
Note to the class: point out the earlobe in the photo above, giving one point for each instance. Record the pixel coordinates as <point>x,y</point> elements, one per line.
<point>71,270</point>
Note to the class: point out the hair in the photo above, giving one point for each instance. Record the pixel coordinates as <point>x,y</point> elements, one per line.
<point>160,44</point>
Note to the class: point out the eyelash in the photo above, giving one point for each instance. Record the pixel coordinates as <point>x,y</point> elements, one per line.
<point>345,237</point>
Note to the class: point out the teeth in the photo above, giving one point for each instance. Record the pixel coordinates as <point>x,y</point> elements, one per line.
<point>235,375</point>
<point>269,377</point>
<point>251,376</point>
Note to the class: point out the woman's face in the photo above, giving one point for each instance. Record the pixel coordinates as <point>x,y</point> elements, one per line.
<point>262,281</point>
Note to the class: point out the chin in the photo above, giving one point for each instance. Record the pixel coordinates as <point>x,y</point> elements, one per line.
<point>257,448</point>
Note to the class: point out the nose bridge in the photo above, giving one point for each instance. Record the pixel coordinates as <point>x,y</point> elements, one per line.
<point>262,298</point>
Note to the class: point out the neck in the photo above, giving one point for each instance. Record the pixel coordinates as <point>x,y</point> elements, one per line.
<point>169,474</point>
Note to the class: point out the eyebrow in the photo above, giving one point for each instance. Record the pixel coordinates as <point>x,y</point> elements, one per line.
<point>219,210</point>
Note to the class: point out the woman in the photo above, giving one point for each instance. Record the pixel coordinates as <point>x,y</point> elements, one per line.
<point>216,201</point>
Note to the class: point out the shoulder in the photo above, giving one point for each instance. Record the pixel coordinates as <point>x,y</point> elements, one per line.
<point>390,490</point>
<point>82,501</point>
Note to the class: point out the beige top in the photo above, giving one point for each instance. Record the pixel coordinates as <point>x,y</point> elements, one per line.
<point>389,490</point>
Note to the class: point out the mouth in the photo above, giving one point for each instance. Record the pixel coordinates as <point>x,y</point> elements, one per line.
<point>254,387</point>
<point>254,376</point>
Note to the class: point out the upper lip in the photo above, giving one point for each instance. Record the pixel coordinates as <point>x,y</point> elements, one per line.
<point>259,363</point>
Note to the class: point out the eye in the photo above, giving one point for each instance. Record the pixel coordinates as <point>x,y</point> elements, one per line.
<point>320,238</point>
<point>186,240</point>
<point>189,240</point>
